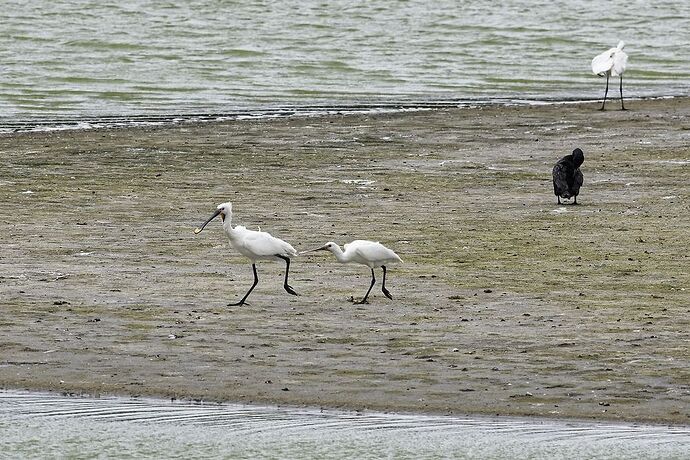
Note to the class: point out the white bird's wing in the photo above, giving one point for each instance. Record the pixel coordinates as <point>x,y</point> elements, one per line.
<point>603,63</point>
<point>620,61</point>
<point>356,243</point>
<point>372,251</point>
<point>263,244</point>
<point>361,247</point>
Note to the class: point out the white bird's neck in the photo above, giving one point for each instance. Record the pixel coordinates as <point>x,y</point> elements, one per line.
<point>227,224</point>
<point>339,254</point>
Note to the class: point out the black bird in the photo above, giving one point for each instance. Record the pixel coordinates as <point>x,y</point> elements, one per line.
<point>567,177</point>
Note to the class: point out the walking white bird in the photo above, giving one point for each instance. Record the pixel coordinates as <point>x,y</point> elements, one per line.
<point>611,63</point>
<point>253,245</point>
<point>369,253</point>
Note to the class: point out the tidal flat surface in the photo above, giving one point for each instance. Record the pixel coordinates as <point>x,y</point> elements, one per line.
<point>506,304</point>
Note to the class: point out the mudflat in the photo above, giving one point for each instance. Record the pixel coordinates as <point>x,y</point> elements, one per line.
<point>507,303</point>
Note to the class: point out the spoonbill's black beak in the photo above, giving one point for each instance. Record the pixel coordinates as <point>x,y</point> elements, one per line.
<point>322,248</point>
<point>198,230</point>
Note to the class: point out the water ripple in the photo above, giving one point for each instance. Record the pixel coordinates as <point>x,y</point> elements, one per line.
<point>56,425</point>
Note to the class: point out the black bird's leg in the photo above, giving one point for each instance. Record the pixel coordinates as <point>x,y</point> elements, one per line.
<point>575,198</point>
<point>383,285</point>
<point>287,287</point>
<point>256,281</point>
<point>622,106</point>
<point>559,199</point>
<point>605,92</point>
<point>373,280</point>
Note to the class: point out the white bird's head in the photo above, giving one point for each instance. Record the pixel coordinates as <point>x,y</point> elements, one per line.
<point>223,210</point>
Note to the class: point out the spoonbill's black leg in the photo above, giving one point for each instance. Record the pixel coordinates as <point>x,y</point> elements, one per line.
<point>605,92</point>
<point>383,285</point>
<point>373,280</point>
<point>575,198</point>
<point>256,281</point>
<point>559,199</point>
<point>287,287</point>
<point>622,106</point>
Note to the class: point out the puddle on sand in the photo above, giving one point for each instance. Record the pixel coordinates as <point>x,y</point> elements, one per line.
<point>39,425</point>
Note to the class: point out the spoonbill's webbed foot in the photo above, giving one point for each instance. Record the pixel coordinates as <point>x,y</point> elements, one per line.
<point>239,304</point>
<point>603,104</point>
<point>289,289</point>
<point>383,284</point>
<point>366,296</point>
<point>256,281</point>
<point>286,286</point>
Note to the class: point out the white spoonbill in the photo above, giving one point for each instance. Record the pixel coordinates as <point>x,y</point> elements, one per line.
<point>611,63</point>
<point>253,245</point>
<point>369,253</point>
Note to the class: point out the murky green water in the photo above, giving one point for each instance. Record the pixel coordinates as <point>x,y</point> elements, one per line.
<point>91,58</point>
<point>50,426</point>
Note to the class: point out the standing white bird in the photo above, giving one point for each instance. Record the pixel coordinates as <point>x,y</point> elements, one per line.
<point>253,245</point>
<point>369,253</point>
<point>611,63</point>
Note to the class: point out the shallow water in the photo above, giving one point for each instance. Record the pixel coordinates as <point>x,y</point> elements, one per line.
<point>89,58</point>
<point>37,425</point>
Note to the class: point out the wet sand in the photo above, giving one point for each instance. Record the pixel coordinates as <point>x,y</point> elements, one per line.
<point>507,303</point>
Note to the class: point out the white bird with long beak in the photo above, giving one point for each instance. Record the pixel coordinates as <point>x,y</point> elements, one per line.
<point>611,63</point>
<point>253,245</point>
<point>369,253</point>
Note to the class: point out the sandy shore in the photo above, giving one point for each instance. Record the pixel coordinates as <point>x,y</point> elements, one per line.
<point>506,303</point>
